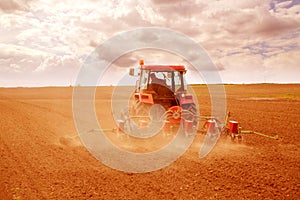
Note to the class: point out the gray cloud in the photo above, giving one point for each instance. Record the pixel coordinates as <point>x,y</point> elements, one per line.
<point>14,5</point>
<point>53,33</point>
<point>273,26</point>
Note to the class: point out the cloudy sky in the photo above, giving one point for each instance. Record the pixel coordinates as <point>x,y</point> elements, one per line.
<point>45,42</point>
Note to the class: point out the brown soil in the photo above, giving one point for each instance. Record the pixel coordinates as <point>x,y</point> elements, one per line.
<point>41,156</point>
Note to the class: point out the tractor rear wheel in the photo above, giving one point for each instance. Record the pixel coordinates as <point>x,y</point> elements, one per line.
<point>191,112</point>
<point>139,111</point>
<point>142,109</point>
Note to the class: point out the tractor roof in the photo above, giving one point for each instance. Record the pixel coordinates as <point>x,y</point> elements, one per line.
<point>164,67</point>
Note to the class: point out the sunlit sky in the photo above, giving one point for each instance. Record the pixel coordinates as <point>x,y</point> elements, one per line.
<point>45,42</point>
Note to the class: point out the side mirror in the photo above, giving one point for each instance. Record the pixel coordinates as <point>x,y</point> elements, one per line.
<point>131,71</point>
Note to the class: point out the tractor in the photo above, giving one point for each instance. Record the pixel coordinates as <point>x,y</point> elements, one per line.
<point>163,85</point>
<point>163,88</point>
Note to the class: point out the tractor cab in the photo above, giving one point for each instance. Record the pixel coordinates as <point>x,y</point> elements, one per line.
<point>153,77</point>
<point>169,76</point>
<point>161,84</point>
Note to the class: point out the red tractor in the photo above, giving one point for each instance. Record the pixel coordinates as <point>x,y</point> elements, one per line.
<point>163,85</point>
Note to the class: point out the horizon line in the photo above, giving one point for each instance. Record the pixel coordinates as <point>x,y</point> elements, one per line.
<point>113,85</point>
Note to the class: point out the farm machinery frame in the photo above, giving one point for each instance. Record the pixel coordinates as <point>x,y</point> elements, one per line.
<point>164,85</point>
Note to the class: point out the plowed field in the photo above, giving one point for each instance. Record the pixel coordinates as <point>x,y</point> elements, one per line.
<point>41,156</point>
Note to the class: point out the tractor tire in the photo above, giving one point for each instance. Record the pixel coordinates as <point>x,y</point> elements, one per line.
<point>192,112</point>
<point>139,111</point>
<point>142,109</point>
